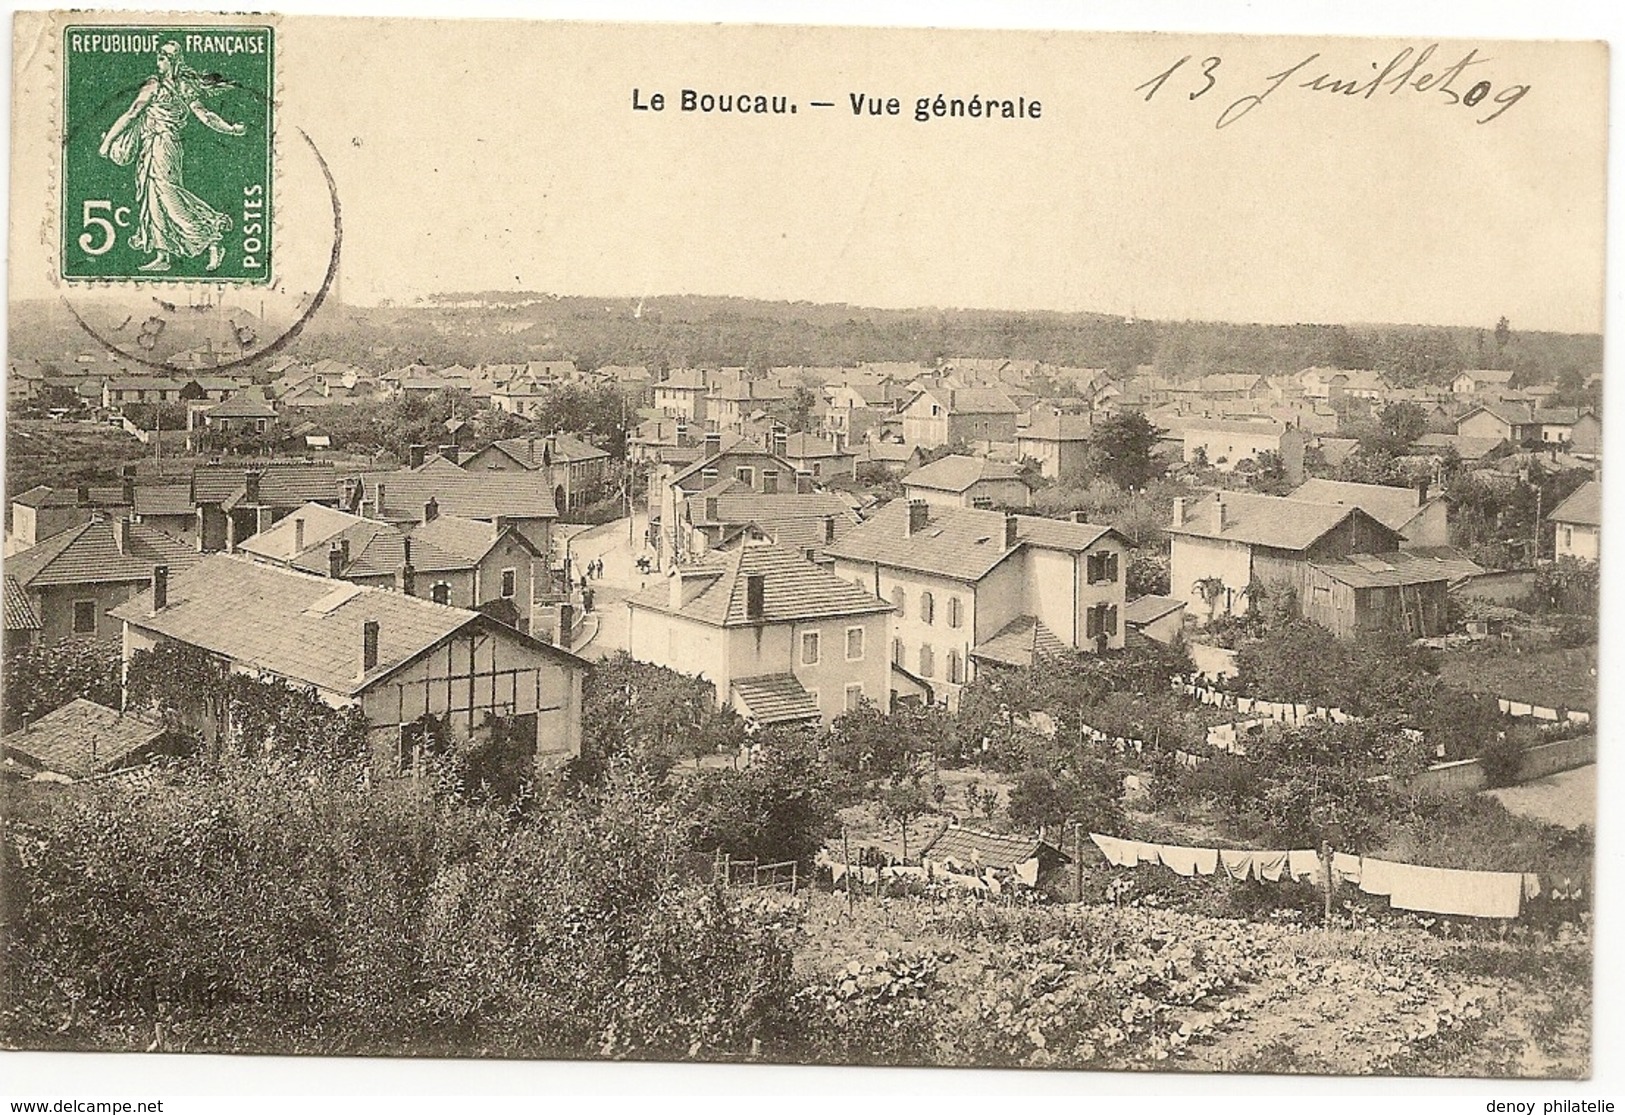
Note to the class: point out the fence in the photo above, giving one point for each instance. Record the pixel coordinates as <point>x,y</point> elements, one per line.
<point>756,875</point>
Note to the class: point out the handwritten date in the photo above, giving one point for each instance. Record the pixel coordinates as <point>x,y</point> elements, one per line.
<point>1410,71</point>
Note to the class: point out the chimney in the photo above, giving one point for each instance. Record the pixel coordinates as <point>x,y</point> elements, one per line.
<point>567,617</point>
<point>344,550</point>
<point>710,509</point>
<point>713,443</point>
<point>919,514</point>
<point>160,588</point>
<point>84,494</point>
<point>121,534</point>
<point>369,645</point>
<point>335,562</point>
<point>682,433</point>
<point>299,536</point>
<point>708,476</point>
<point>431,509</point>
<point>449,452</point>
<point>1421,491</point>
<point>1011,525</point>
<point>755,595</point>
<point>781,441</point>
<point>1179,511</point>
<point>1218,510</point>
<point>550,449</point>
<point>804,483</point>
<point>829,529</point>
<point>415,455</point>
<point>378,500</point>
<point>1080,516</point>
<point>251,485</point>
<point>406,576</point>
<point>127,485</point>
<point>675,584</point>
<point>530,449</point>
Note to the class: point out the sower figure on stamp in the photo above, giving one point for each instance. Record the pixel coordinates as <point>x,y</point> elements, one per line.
<point>171,220</point>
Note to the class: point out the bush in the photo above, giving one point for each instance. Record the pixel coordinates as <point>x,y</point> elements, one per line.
<point>42,679</point>
<point>1501,759</point>
<point>262,913</point>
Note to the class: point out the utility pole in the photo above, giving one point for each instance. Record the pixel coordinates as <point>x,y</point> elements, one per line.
<point>1326,880</point>
<point>1077,859</point>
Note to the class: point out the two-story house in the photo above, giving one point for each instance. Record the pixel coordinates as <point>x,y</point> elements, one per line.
<point>780,638</point>
<point>1578,520</point>
<point>1419,520</point>
<point>970,586</point>
<point>399,660</point>
<point>575,468</point>
<point>1344,567</point>
<point>681,394</point>
<point>750,463</point>
<point>939,416</point>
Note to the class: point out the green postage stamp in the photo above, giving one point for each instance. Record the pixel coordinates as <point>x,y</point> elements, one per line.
<point>166,153</point>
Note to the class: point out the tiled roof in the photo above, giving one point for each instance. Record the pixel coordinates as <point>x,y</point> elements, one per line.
<point>468,540</point>
<point>956,473</point>
<point>41,495</point>
<point>567,448</point>
<point>82,738</point>
<point>958,542</point>
<point>242,406</point>
<point>164,499</point>
<point>1019,643</point>
<point>978,400</point>
<point>1285,524</point>
<point>281,485</point>
<point>298,626</point>
<point>1584,506</point>
<point>775,699</point>
<point>89,554</point>
<point>1390,506</point>
<point>969,847</point>
<point>1269,428</point>
<point>1513,414</point>
<point>20,613</point>
<point>739,447</point>
<point>1467,448</point>
<point>487,495</point>
<point>1489,375</point>
<point>800,446</point>
<point>1557,416</point>
<point>794,589</point>
<point>893,452</point>
<point>1149,609</point>
<point>1400,567</point>
<point>742,506</point>
<point>1062,427</point>
<point>376,548</point>
<point>684,378</point>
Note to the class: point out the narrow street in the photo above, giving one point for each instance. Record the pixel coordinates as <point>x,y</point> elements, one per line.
<point>618,548</point>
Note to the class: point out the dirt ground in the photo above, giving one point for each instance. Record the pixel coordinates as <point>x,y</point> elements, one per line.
<point>1568,798</point>
<point>1556,677</point>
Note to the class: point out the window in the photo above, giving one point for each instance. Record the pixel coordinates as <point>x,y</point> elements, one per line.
<point>927,661</point>
<point>770,481</point>
<point>1100,620</point>
<point>1568,537</point>
<point>928,608</point>
<point>899,600</point>
<point>854,644</point>
<point>982,503</point>
<point>440,593</point>
<point>413,738</point>
<point>746,475</point>
<point>956,667</point>
<point>897,651</point>
<point>510,583</point>
<point>854,695</point>
<point>1101,567</point>
<point>809,648</point>
<point>817,469</point>
<point>955,609</point>
<point>84,617</point>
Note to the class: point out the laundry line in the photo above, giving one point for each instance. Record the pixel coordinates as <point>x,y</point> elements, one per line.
<point>1411,887</point>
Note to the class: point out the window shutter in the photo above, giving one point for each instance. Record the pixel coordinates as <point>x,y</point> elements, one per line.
<point>1111,619</point>
<point>1092,622</point>
<point>1111,567</point>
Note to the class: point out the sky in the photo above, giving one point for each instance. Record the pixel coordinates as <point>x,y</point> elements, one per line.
<point>502,155</point>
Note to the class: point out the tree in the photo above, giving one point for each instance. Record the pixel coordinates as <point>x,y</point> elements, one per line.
<point>1121,448</point>
<point>1211,590</point>
<point>42,679</point>
<point>902,800</point>
<point>1503,332</point>
<point>1086,789</point>
<point>1147,573</point>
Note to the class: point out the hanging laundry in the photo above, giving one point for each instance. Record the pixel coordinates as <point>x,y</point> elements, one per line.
<point>1027,871</point>
<point>1188,861</point>
<point>1474,894</point>
<point>1238,865</point>
<point>837,872</point>
<point>1346,868</point>
<point>1377,876</point>
<point>1124,853</point>
<point>1303,864</point>
<point>1531,886</point>
<point>1270,866</point>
